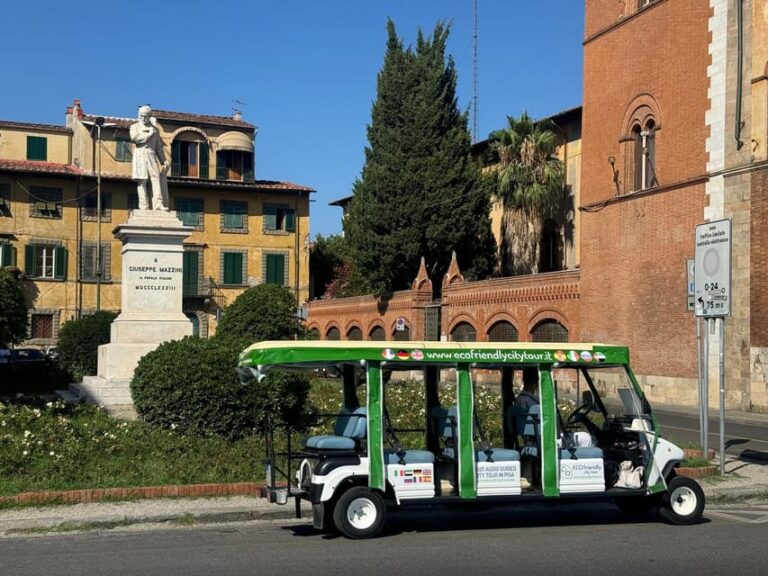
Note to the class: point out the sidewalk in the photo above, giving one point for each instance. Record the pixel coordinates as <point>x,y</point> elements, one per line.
<point>742,480</point>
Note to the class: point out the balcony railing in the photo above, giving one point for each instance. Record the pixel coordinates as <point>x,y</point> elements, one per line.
<point>199,288</point>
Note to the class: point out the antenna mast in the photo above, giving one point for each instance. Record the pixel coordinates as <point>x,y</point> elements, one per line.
<point>475,83</point>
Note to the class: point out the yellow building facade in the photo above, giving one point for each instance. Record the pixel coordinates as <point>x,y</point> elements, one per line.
<point>53,179</point>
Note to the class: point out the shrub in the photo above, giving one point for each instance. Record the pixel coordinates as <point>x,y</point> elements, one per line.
<point>264,312</point>
<point>13,310</point>
<point>190,385</point>
<point>79,342</point>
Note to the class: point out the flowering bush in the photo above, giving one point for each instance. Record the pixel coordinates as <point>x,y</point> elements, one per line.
<point>59,445</point>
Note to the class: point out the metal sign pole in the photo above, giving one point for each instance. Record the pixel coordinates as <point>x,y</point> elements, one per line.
<point>699,381</point>
<point>722,397</point>
<point>705,393</point>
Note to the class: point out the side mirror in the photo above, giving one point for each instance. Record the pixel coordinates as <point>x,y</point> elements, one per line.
<point>587,399</point>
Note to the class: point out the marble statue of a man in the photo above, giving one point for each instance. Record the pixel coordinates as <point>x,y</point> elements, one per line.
<point>149,161</point>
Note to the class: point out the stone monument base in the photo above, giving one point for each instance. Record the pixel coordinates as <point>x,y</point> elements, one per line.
<point>151,303</point>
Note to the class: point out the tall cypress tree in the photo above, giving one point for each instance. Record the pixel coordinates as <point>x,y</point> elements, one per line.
<point>420,193</point>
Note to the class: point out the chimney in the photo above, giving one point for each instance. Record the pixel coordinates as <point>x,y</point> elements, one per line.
<point>237,116</point>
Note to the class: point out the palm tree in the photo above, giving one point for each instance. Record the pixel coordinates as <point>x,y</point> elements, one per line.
<point>530,188</point>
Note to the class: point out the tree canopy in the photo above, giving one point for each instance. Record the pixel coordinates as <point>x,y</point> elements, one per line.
<point>264,312</point>
<point>530,186</point>
<point>13,310</point>
<point>420,193</point>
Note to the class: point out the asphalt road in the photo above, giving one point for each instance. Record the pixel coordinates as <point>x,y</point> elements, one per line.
<point>745,440</point>
<point>592,540</point>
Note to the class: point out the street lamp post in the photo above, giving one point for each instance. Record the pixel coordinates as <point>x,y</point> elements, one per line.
<point>98,124</point>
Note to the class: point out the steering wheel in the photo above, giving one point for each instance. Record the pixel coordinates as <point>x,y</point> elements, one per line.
<point>579,415</point>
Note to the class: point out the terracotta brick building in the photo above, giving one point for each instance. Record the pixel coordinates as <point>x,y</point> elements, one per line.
<point>673,133</point>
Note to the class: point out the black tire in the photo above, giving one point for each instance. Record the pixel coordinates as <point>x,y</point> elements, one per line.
<point>637,506</point>
<point>684,501</point>
<point>360,513</point>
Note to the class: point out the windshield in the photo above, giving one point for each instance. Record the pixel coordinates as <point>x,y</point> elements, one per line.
<point>616,392</point>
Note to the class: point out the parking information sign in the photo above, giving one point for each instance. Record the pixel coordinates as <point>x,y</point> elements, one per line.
<point>712,269</point>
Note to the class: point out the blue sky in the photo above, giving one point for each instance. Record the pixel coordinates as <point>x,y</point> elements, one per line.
<point>305,70</point>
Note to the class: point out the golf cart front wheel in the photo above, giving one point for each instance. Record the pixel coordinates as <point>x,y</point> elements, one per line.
<point>684,501</point>
<point>360,513</point>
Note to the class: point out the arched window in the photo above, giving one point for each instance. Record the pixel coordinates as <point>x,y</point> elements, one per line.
<point>355,333</point>
<point>314,334</point>
<point>550,250</point>
<point>502,332</point>
<point>549,331</point>
<point>464,332</point>
<point>189,156</point>
<point>402,335</point>
<point>377,334</point>
<point>333,334</point>
<point>644,154</point>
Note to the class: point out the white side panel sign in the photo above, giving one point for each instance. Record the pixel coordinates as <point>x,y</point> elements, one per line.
<point>712,275</point>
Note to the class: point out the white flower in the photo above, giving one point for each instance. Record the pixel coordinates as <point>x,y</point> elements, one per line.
<point>49,405</point>
<point>25,453</point>
<point>27,433</point>
<point>51,453</point>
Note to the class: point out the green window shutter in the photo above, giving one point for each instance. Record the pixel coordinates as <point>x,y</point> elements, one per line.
<point>233,268</point>
<point>203,160</point>
<point>270,217</point>
<point>60,261</point>
<point>290,220</point>
<point>176,158</point>
<point>6,255</point>
<point>29,260</point>
<point>37,148</point>
<point>189,279</point>
<point>275,269</point>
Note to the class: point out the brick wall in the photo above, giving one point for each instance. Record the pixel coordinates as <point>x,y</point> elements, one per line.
<point>634,245</point>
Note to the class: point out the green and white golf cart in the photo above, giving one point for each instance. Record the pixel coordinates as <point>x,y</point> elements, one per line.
<point>592,435</point>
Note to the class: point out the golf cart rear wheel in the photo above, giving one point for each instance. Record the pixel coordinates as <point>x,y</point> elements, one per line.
<point>683,502</point>
<point>360,513</point>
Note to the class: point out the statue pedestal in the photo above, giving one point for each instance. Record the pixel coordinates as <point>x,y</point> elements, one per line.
<point>151,305</point>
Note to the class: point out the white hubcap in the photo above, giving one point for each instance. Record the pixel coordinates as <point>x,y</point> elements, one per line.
<point>361,513</point>
<point>683,501</point>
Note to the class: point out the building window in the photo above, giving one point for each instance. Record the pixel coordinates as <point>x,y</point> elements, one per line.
<point>233,268</point>
<point>502,332</point>
<point>45,261</point>
<point>37,148</point>
<point>234,165</point>
<point>7,254</point>
<point>190,211</point>
<point>377,334</point>
<point>355,334</point>
<point>5,200</point>
<point>189,159</point>
<point>192,272</point>
<point>279,219</point>
<point>402,335</point>
<point>275,269</point>
<point>644,156</point>
<point>549,331</point>
<point>550,251</point>
<point>45,202</point>
<point>89,267</point>
<point>464,332</point>
<point>333,334</point>
<point>88,211</point>
<point>123,150</point>
<point>234,216</point>
<point>41,326</point>
<point>133,200</point>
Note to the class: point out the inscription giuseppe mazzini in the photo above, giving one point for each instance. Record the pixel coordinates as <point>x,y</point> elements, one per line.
<point>155,278</point>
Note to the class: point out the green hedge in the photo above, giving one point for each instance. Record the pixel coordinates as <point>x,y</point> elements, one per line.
<point>79,342</point>
<point>191,386</point>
